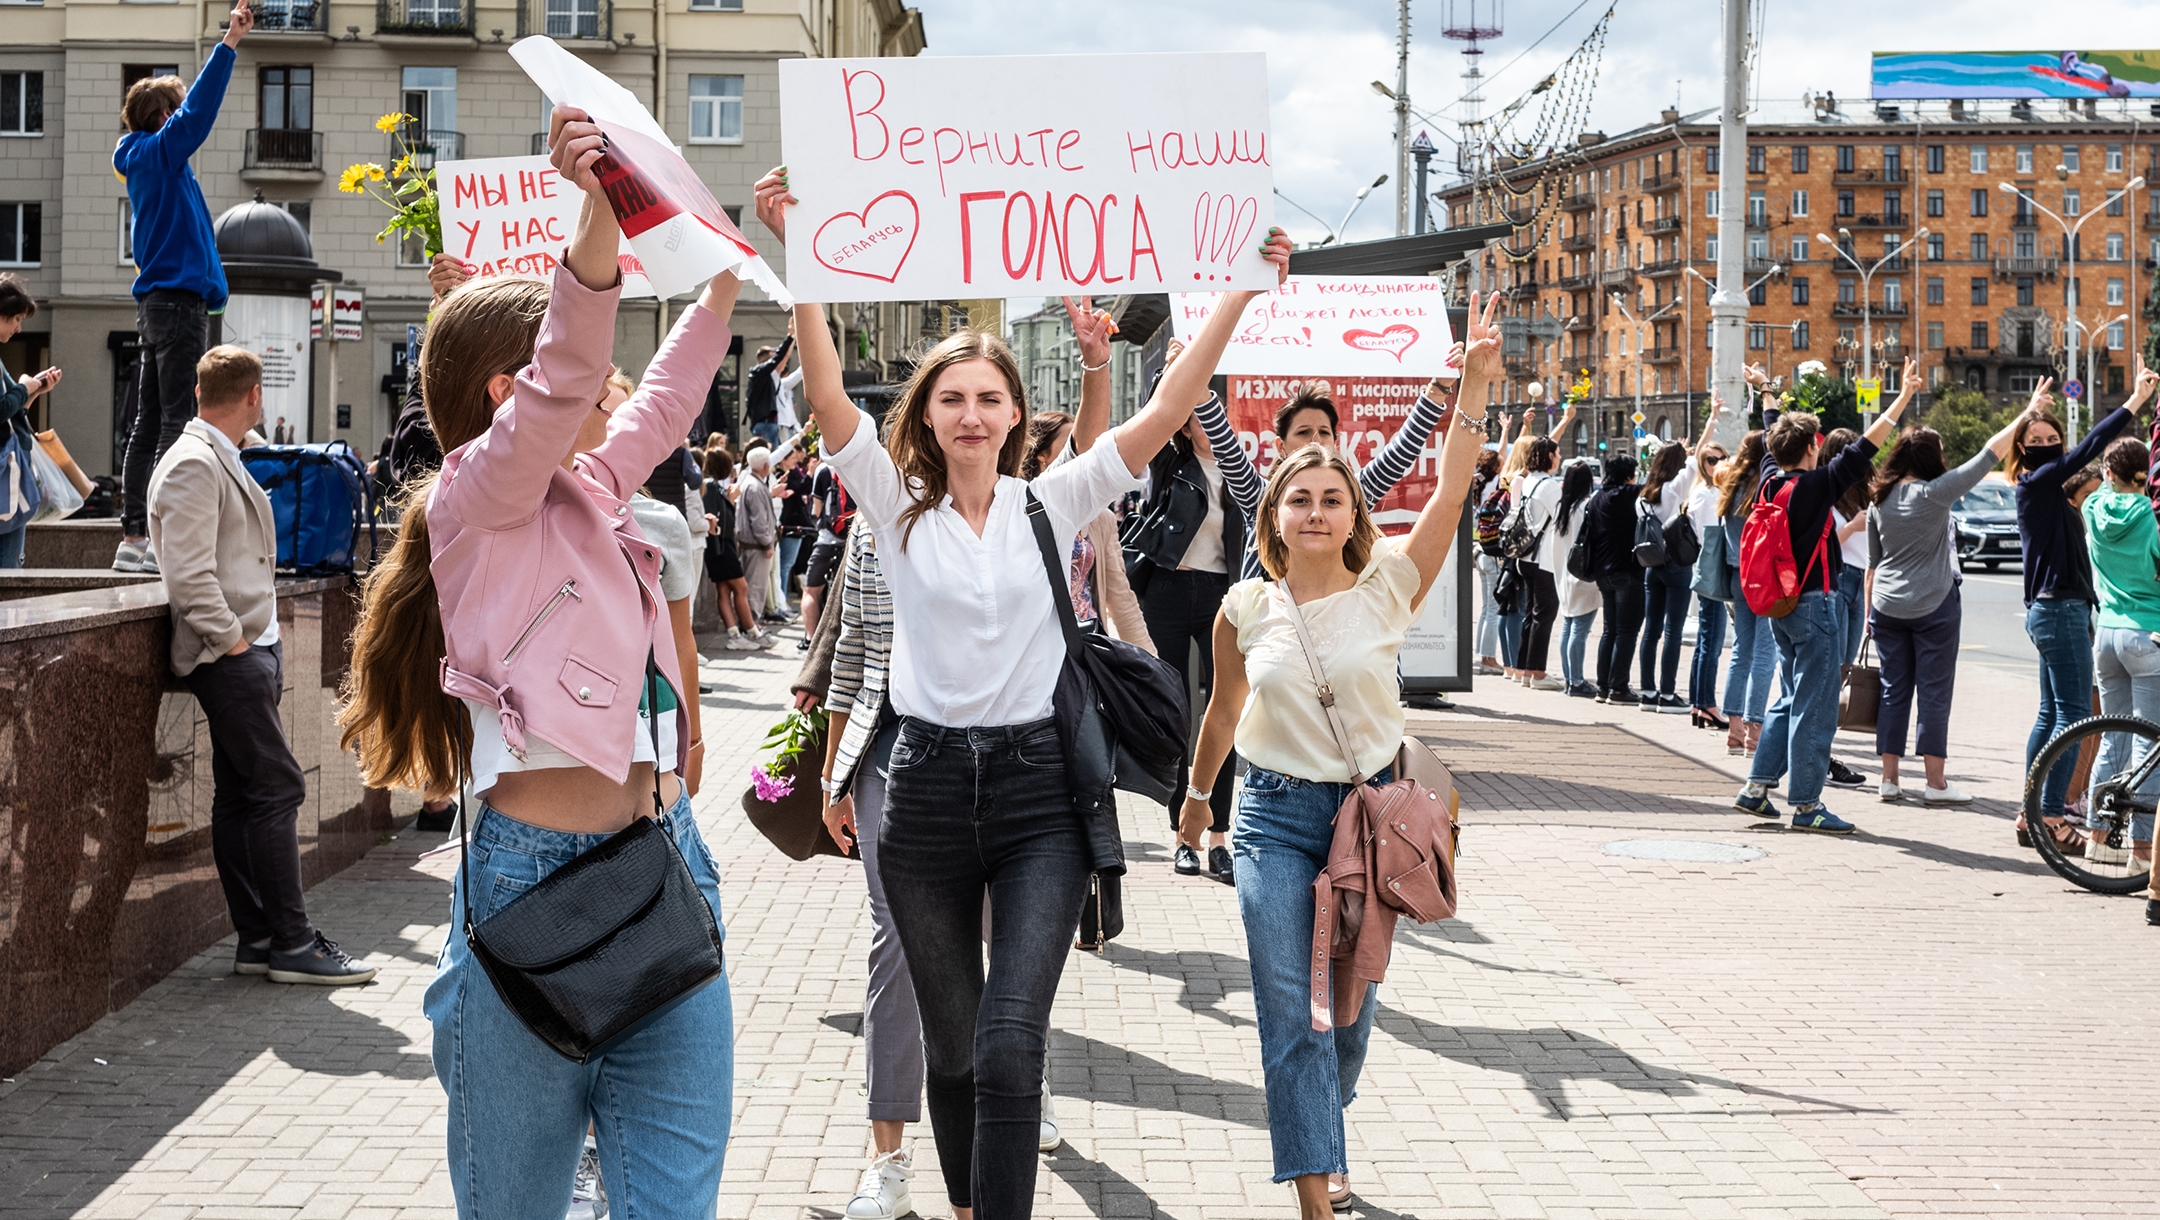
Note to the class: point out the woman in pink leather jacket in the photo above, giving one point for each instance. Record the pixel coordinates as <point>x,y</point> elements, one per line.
<point>508,638</point>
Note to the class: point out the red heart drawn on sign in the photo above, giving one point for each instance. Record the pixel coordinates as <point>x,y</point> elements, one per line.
<point>1395,340</point>
<point>872,243</point>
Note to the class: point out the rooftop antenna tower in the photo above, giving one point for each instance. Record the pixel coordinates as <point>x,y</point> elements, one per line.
<point>1470,22</point>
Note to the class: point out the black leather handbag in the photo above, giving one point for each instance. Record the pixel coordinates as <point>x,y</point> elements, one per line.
<point>607,942</point>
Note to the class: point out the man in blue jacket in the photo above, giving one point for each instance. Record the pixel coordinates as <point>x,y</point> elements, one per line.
<point>179,281</point>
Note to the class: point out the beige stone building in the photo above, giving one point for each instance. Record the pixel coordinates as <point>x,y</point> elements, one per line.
<point>310,82</point>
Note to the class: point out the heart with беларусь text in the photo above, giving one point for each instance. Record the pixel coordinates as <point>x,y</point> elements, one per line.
<point>1395,340</point>
<point>873,243</point>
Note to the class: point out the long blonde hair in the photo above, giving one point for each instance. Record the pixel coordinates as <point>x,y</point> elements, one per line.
<point>913,444</point>
<point>408,733</point>
<point>1274,552</point>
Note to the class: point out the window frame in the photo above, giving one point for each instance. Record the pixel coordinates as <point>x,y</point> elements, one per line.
<point>1937,203</point>
<point>1799,290</point>
<point>1978,290</point>
<point>1800,202</point>
<point>262,87</point>
<point>1935,158</point>
<point>715,105</point>
<point>1799,158</point>
<point>29,236</point>
<point>22,131</point>
<point>1936,292</point>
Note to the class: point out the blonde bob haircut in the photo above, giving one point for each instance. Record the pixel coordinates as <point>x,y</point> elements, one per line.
<point>1274,552</point>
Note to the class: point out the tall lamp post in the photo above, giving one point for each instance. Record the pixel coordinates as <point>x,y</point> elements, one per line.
<point>2071,293</point>
<point>1710,286</point>
<point>1640,325</point>
<point>2092,343</point>
<point>1867,278</point>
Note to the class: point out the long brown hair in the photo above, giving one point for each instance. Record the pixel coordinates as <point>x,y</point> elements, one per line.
<point>408,733</point>
<point>1671,459</point>
<point>1042,431</point>
<point>1739,474</point>
<point>1274,552</point>
<point>2015,465</point>
<point>1917,455</point>
<point>913,444</point>
<point>1855,500</point>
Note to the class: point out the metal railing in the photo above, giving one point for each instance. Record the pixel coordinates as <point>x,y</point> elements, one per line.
<point>1867,177</point>
<point>1580,241</point>
<point>1880,309</point>
<point>1662,182</point>
<point>2026,266</point>
<point>1576,203</point>
<point>1658,270</point>
<point>428,147</point>
<point>437,18</point>
<point>575,20</point>
<point>1662,354</point>
<point>1617,277</point>
<point>1664,224</point>
<point>275,148</point>
<point>1887,220</point>
<point>292,16</point>
<point>1576,283</point>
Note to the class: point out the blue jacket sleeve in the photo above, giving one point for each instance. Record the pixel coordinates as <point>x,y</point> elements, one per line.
<point>190,125</point>
<point>2103,434</point>
<point>1400,454</point>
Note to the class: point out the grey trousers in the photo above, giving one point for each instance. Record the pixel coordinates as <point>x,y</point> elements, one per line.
<point>892,1026</point>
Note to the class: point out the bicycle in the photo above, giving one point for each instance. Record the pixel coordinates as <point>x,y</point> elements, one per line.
<point>2110,800</point>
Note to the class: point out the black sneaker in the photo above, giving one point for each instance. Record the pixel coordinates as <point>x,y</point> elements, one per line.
<point>1218,863</point>
<point>1583,690</point>
<point>1623,697</point>
<point>1672,705</point>
<point>1185,862</point>
<point>1603,695</point>
<point>321,962</point>
<point>251,959</point>
<point>1842,776</point>
<point>2152,911</point>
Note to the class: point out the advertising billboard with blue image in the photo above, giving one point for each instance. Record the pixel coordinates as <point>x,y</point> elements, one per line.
<point>1982,74</point>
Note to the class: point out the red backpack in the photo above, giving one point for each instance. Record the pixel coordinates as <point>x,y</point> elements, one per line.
<point>1769,575</point>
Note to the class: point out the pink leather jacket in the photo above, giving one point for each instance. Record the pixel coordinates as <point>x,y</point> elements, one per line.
<point>549,593</point>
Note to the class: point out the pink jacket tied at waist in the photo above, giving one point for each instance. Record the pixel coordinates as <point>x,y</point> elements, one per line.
<point>1393,853</point>
<point>549,593</point>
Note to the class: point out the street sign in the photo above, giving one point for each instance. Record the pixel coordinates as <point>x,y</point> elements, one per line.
<point>1870,392</point>
<point>1638,418</point>
<point>1638,434</point>
<point>2074,388</point>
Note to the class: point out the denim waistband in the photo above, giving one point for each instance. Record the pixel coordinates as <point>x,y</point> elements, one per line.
<point>172,296</point>
<point>498,829</point>
<point>978,737</point>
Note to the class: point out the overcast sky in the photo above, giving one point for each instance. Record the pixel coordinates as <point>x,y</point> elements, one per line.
<point>1335,134</point>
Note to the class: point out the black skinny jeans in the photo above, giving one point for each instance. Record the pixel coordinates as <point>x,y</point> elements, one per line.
<point>1666,594</point>
<point>966,810</point>
<point>1180,609</point>
<point>1623,594</point>
<point>1542,595</point>
<point>175,330</point>
<point>256,796</point>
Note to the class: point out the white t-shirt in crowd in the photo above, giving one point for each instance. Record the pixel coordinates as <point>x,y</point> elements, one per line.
<point>1674,495</point>
<point>1537,499</point>
<point>1855,548</point>
<point>1206,554</point>
<point>1702,507</point>
<point>976,640</point>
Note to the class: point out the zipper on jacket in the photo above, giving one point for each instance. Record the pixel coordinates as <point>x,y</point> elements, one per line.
<point>569,589</point>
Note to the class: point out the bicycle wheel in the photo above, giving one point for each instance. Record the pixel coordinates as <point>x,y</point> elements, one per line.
<point>2109,800</point>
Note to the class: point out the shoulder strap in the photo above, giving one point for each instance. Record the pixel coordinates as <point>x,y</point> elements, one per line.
<point>1327,692</point>
<point>1060,593</point>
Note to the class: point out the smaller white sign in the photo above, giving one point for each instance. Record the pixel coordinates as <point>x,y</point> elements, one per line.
<point>515,216</point>
<point>1320,325</point>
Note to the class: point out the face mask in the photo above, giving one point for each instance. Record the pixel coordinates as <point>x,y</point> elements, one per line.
<point>2041,455</point>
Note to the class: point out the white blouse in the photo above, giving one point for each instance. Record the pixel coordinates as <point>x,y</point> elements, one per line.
<point>976,641</point>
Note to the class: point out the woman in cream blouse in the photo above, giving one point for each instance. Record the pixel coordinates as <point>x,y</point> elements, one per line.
<point>1358,593</point>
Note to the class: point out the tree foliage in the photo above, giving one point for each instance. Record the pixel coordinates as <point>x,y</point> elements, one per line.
<point>1834,399</point>
<point>1966,418</point>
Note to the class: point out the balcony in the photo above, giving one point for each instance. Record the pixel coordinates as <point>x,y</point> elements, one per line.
<point>569,21</point>
<point>1577,203</point>
<point>428,147</point>
<point>1576,283</point>
<point>281,155</point>
<point>1880,309</point>
<point>301,20</point>
<point>1760,266</point>
<point>1868,177</point>
<point>1658,183</point>
<point>1662,354</point>
<point>2151,220</point>
<point>1664,224</point>
<point>1581,241</point>
<point>1577,322</point>
<point>425,22</point>
<point>2005,268</point>
<point>1618,277</point>
<point>1887,220</point>
<point>1659,270</point>
<point>2025,220</point>
<point>1522,291</point>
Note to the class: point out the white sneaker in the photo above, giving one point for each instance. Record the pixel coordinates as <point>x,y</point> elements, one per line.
<point>1545,684</point>
<point>883,1194</point>
<point>1891,793</point>
<point>1047,1139</point>
<point>588,1198</point>
<point>764,639</point>
<point>134,557</point>
<point>2098,852</point>
<point>1948,794</point>
<point>737,643</point>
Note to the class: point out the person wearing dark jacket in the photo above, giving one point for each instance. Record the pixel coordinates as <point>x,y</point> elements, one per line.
<point>1610,523</point>
<point>762,407</point>
<point>413,449</point>
<point>1802,720</point>
<point>2059,597</point>
<point>179,281</point>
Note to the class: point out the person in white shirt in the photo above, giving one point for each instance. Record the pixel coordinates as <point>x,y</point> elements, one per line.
<point>1537,507</point>
<point>978,797</point>
<point>1579,599</point>
<point>1709,611</point>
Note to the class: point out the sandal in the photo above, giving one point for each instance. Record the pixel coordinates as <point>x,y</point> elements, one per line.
<point>1754,736</point>
<point>1338,1191</point>
<point>1736,737</point>
<point>2068,839</point>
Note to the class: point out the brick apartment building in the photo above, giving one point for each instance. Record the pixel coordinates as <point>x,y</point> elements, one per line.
<point>1981,299</point>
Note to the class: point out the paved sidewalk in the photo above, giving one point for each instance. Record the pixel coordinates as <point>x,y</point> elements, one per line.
<point>1919,1020</point>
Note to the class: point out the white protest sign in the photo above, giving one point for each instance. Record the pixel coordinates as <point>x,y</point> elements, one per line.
<point>1332,326</point>
<point>514,216</point>
<point>670,220</point>
<point>1006,176</point>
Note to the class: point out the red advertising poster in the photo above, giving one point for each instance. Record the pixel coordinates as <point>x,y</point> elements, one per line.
<point>1372,409</point>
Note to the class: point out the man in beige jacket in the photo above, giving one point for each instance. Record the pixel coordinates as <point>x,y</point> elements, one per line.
<point>216,542</point>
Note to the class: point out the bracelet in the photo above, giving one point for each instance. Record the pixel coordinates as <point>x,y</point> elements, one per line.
<point>1085,367</point>
<point>825,784</point>
<point>1196,794</point>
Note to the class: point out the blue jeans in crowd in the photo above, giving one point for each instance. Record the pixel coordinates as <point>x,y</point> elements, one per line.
<point>11,547</point>
<point>767,431</point>
<point>1280,843</point>
<point>1797,732</point>
<point>790,550</point>
<point>2128,664</point>
<point>1852,594</point>
<point>1919,664</point>
<point>1754,662</point>
<point>2061,629</point>
<point>1574,643</point>
<point>1511,629</point>
<point>1488,622</point>
<point>659,1101</point>
<point>1665,602</point>
<point>1709,650</point>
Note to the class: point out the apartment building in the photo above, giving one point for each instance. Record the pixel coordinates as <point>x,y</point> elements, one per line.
<point>1042,343</point>
<point>311,80</point>
<point>1976,281</point>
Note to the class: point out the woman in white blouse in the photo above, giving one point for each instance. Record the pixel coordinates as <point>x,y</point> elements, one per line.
<point>1709,611</point>
<point>977,797</point>
<point>1358,593</point>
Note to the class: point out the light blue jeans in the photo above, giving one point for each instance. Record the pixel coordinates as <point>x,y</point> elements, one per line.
<point>1754,661</point>
<point>1488,622</point>
<point>2128,665</point>
<point>1802,721</point>
<point>659,1101</point>
<point>2061,631</point>
<point>1852,593</point>
<point>1574,642</point>
<point>1280,843</point>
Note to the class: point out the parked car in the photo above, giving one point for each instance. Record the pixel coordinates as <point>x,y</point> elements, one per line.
<point>1985,520</point>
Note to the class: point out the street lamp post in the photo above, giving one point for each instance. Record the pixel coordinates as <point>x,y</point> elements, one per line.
<point>1640,324</point>
<point>1710,286</point>
<point>2092,343</point>
<point>1867,277</point>
<point>2075,297</point>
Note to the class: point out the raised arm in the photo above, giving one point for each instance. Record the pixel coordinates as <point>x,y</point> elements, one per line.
<point>1399,456</point>
<point>1434,532</point>
<point>643,431</point>
<point>1886,423</point>
<point>186,128</point>
<point>1240,476</point>
<point>1092,331</point>
<point>836,414</point>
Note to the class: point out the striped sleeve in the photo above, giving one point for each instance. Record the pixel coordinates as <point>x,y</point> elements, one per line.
<point>1239,476</point>
<point>1399,456</point>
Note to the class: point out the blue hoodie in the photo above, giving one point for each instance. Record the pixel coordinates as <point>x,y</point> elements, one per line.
<point>173,244</point>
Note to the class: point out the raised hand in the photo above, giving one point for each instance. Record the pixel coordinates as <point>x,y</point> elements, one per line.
<point>1756,375</point>
<point>1276,249</point>
<point>2042,395</point>
<point>2143,381</point>
<point>575,146</point>
<point>1482,345</point>
<point>237,24</point>
<point>444,274</point>
<point>773,199</point>
<point>1908,380</point>
<point>1092,330</point>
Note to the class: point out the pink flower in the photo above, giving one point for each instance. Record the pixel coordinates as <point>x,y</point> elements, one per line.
<point>770,788</point>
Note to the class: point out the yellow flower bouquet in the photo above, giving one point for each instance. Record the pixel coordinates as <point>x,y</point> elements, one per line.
<point>408,192</point>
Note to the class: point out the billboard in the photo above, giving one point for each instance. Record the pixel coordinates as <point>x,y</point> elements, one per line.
<point>1982,74</point>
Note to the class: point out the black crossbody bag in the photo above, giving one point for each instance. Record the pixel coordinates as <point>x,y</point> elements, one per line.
<point>607,942</point>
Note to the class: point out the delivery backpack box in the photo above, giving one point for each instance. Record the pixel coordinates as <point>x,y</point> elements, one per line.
<point>319,499</point>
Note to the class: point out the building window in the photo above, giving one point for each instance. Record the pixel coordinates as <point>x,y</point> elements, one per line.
<point>1893,295</point>
<point>2071,203</point>
<point>2115,203</point>
<point>1710,247</point>
<point>1979,202</point>
<point>1935,203</point>
<point>572,19</point>
<point>1709,334</point>
<point>2115,247</point>
<point>2070,157</point>
<point>1976,248</point>
<point>288,98</point>
<point>2024,158</point>
<point>1935,336</point>
<point>1758,246</point>
<point>1710,203</point>
<point>1710,159</point>
<point>1893,204</point>
<point>1978,158</point>
<point>2114,290</point>
<point>1799,158</point>
<point>1758,208</point>
<point>1800,249</point>
<point>1757,157</point>
<point>1979,336</point>
<point>1935,247</point>
<point>1979,290</point>
<point>1845,203</point>
<point>1799,203</point>
<point>1758,335</point>
<point>1934,290</point>
<point>1799,336</point>
<point>431,103</point>
<point>715,6</point>
<point>2114,342</point>
<point>22,103</point>
<point>127,233</point>
<point>1935,158</point>
<point>2025,244</point>
<point>130,73</point>
<point>1893,162</point>
<point>716,109</point>
<point>2114,158</point>
<point>1844,158</point>
<point>1758,293</point>
<point>1847,290</point>
<point>21,240</point>
<point>2025,290</point>
<point>1799,290</point>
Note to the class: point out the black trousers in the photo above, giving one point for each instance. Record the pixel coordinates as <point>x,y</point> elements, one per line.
<point>175,331</point>
<point>1623,594</point>
<point>255,807</point>
<point>1544,606</point>
<point>969,810</point>
<point>1180,609</point>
